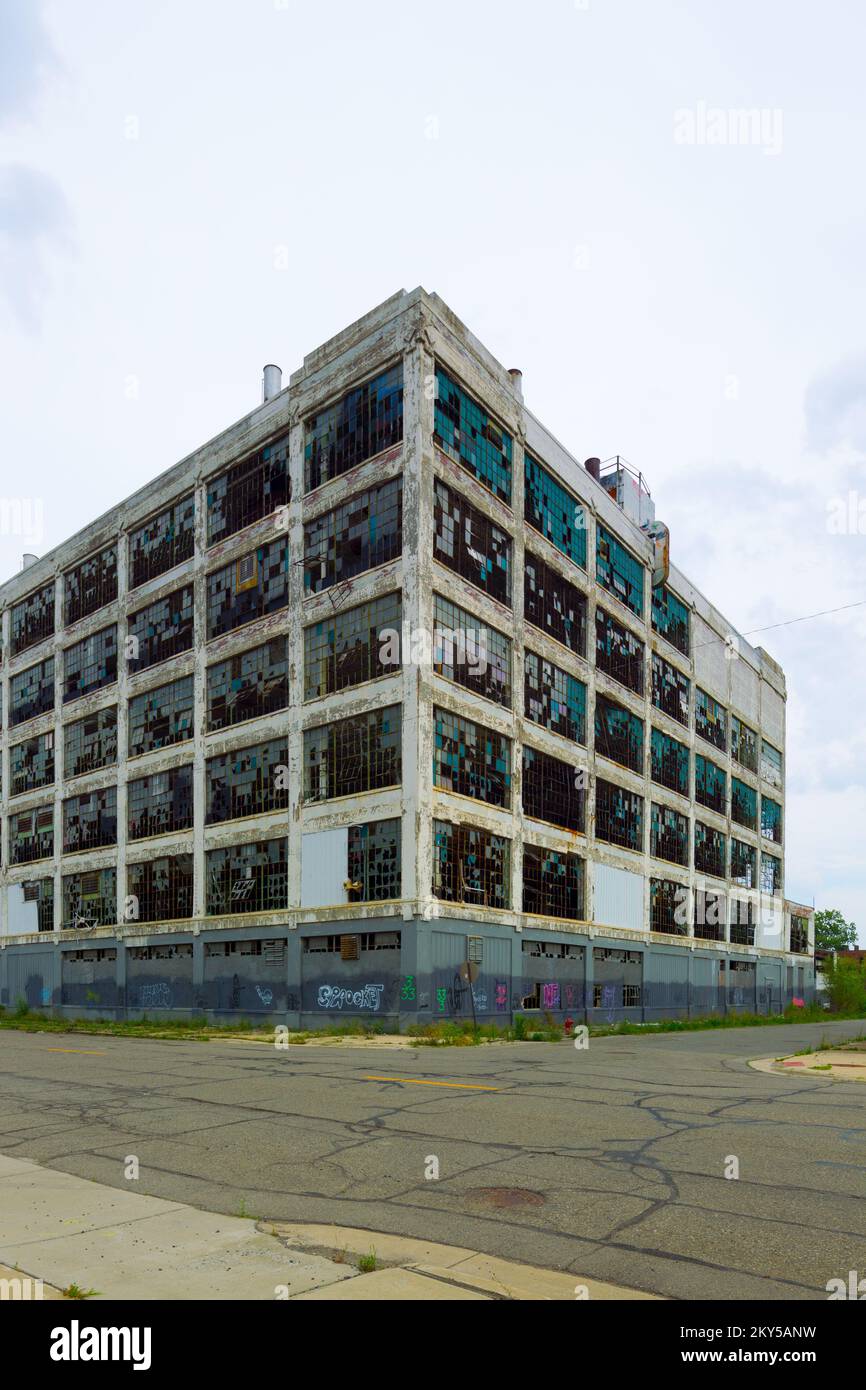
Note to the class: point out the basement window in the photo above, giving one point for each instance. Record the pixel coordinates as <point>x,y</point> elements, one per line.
<point>248,588</point>
<point>552,791</point>
<point>669,835</point>
<point>33,619</point>
<point>162,889</point>
<point>670,618</point>
<point>471,866</point>
<point>468,542</point>
<point>618,652</point>
<point>354,755</point>
<point>161,630</point>
<point>468,652</point>
<point>248,878</point>
<point>90,899</point>
<point>470,760</point>
<point>248,491</point>
<point>550,509</point>
<point>710,850</point>
<point>618,816</point>
<point>247,782</point>
<point>90,820</point>
<point>31,764</point>
<point>162,717</point>
<point>468,434</point>
<point>160,803</point>
<point>553,605</point>
<point>357,536</point>
<point>553,884</point>
<point>711,784</point>
<point>670,690</point>
<point>617,570</point>
<point>366,941</point>
<point>374,861</point>
<point>619,734</point>
<point>248,685</point>
<point>91,585</point>
<point>711,720</point>
<point>348,648</point>
<point>90,743</point>
<point>364,423</point>
<point>90,665</point>
<point>554,699</point>
<point>168,539</point>
<point>669,903</point>
<point>670,762</point>
<point>31,692</point>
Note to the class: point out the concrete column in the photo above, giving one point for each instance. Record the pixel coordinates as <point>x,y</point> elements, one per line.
<point>294,715</point>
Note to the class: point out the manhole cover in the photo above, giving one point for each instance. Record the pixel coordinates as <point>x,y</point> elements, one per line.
<point>505,1197</point>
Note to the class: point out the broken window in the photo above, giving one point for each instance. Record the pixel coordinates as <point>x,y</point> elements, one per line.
<point>352,947</point>
<point>31,692</point>
<point>359,535</point>
<point>618,652</point>
<point>551,950</point>
<point>91,585</point>
<point>711,784</point>
<point>670,618</point>
<point>617,570</point>
<point>554,699</point>
<point>247,491</point>
<point>771,820</point>
<point>710,850</point>
<point>670,762</point>
<point>90,743</point>
<point>41,892</point>
<point>347,648</point>
<point>771,874</point>
<point>554,605</point>
<point>161,717</point>
<point>668,906</point>
<point>160,803</point>
<point>248,878</point>
<point>356,755</point>
<point>89,900</point>
<point>31,835</point>
<point>161,889</point>
<point>161,630</point>
<point>468,542</point>
<point>467,651</point>
<point>710,916</point>
<point>463,429</point>
<point>247,686</point>
<point>364,423</point>
<point>669,835</point>
<point>670,690</point>
<point>711,720</point>
<point>742,981</point>
<point>247,782</point>
<point>550,509</point>
<point>374,862</point>
<point>90,665</point>
<point>618,978</point>
<point>618,816</point>
<point>800,935</point>
<point>744,744</point>
<point>553,883</point>
<point>90,820</point>
<point>469,760</point>
<point>31,764</point>
<point>164,541</point>
<point>744,869</point>
<point>742,929</point>
<point>248,588</point>
<point>471,865</point>
<point>618,734</point>
<point>33,619</point>
<point>744,804</point>
<point>771,764</point>
<point>553,791</point>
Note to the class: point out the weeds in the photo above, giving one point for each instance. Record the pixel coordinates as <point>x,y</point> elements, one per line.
<point>368,1264</point>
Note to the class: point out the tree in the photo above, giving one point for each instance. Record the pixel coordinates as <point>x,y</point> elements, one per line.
<point>832,932</point>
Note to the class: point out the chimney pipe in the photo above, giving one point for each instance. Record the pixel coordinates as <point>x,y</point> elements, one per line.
<point>517,380</point>
<point>272,382</point>
<point>593,468</point>
<point>28,560</point>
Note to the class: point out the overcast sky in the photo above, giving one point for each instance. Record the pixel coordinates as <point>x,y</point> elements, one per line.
<point>192,188</point>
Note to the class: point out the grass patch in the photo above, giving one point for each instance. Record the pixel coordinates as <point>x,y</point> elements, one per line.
<point>75,1291</point>
<point>368,1263</point>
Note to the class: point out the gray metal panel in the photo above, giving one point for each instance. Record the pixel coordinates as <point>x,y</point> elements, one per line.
<point>32,976</point>
<point>324,867</point>
<point>618,897</point>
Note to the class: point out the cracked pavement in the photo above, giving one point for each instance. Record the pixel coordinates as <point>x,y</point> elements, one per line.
<point>617,1154</point>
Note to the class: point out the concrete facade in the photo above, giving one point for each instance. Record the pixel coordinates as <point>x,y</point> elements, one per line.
<point>404,961</point>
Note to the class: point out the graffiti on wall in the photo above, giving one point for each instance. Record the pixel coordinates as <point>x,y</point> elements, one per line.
<point>332,997</point>
<point>408,993</point>
<point>154,996</point>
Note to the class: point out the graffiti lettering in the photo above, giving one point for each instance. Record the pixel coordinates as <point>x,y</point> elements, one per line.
<point>154,997</point>
<point>501,996</point>
<point>266,995</point>
<point>408,992</point>
<point>370,997</point>
<point>550,996</point>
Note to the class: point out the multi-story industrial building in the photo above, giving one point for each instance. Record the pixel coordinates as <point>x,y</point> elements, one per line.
<point>381,704</point>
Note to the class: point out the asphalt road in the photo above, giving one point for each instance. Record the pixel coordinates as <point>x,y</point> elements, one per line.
<point>609,1162</point>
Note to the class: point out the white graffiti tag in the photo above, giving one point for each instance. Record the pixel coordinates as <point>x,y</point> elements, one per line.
<point>330,997</point>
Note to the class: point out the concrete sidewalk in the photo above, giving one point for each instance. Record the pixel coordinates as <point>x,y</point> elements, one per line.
<point>117,1244</point>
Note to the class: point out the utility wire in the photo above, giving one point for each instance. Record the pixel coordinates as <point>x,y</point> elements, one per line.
<point>790,622</point>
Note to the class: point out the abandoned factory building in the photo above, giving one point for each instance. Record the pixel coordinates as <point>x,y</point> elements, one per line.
<point>380,704</point>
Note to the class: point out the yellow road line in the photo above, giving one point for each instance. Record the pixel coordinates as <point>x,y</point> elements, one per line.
<point>83,1051</point>
<point>449,1085</point>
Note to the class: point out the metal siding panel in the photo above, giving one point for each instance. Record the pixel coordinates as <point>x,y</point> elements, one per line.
<point>618,900</point>
<point>324,866</point>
